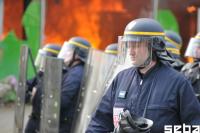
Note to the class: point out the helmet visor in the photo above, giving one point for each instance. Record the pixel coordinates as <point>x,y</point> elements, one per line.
<point>135,51</point>
<point>193,49</point>
<point>40,60</point>
<point>66,53</point>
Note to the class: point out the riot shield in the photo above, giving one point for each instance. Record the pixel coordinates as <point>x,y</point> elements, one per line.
<point>21,90</point>
<point>98,69</point>
<point>50,112</point>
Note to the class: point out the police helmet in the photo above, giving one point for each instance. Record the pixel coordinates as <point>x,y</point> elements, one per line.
<point>198,35</point>
<point>111,49</point>
<point>143,32</point>
<point>146,29</point>
<point>193,49</point>
<point>75,46</point>
<point>173,38</point>
<point>175,53</point>
<point>50,49</point>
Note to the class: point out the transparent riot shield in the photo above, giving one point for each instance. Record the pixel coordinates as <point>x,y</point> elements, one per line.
<point>98,70</point>
<point>21,90</point>
<point>50,112</point>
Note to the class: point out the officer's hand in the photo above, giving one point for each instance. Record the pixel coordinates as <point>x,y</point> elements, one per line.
<point>124,124</point>
<point>33,93</point>
<point>133,124</point>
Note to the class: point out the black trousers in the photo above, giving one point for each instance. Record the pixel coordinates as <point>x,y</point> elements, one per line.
<point>32,126</point>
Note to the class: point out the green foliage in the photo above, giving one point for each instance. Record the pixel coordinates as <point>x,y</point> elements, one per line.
<point>10,96</point>
<point>10,46</point>
<point>168,20</point>
<point>31,22</point>
<point>10,55</point>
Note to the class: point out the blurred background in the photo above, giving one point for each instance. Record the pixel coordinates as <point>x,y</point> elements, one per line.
<point>37,22</point>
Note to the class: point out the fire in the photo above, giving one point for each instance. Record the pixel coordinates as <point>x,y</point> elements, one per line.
<point>98,21</point>
<point>54,38</point>
<point>191,9</point>
<point>11,18</point>
<point>79,19</point>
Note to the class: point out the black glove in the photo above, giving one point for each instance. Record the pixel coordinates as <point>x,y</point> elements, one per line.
<point>133,124</point>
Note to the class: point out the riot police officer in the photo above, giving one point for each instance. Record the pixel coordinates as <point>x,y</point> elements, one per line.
<point>149,92</point>
<point>175,53</point>
<point>74,54</point>
<point>34,90</point>
<point>192,70</point>
<point>173,45</point>
<point>111,49</point>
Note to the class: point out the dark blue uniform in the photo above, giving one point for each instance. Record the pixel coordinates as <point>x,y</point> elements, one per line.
<point>172,100</point>
<point>33,123</point>
<point>69,93</point>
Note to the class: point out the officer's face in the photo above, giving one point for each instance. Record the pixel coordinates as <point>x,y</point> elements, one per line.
<point>138,52</point>
<point>68,56</point>
<point>66,53</point>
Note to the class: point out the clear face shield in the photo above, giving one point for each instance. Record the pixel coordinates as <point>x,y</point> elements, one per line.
<point>40,60</point>
<point>193,49</point>
<point>136,52</point>
<point>66,53</point>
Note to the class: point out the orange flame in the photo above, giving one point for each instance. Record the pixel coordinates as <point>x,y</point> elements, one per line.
<point>11,18</point>
<point>191,9</point>
<point>78,19</point>
<point>99,22</point>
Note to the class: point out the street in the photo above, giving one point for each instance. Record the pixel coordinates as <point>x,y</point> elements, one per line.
<point>7,118</point>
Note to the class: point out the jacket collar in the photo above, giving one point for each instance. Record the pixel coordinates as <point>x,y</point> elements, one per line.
<point>150,71</point>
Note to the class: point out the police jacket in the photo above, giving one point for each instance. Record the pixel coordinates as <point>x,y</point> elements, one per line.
<point>36,101</point>
<point>31,83</point>
<point>69,92</point>
<point>171,101</point>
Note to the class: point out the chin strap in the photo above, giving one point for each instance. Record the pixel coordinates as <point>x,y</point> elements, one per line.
<point>146,63</point>
<point>148,60</point>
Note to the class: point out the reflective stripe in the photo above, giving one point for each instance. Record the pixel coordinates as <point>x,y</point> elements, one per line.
<point>173,42</point>
<point>198,37</point>
<point>51,50</point>
<point>111,51</point>
<point>144,33</point>
<point>173,51</point>
<point>78,44</point>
